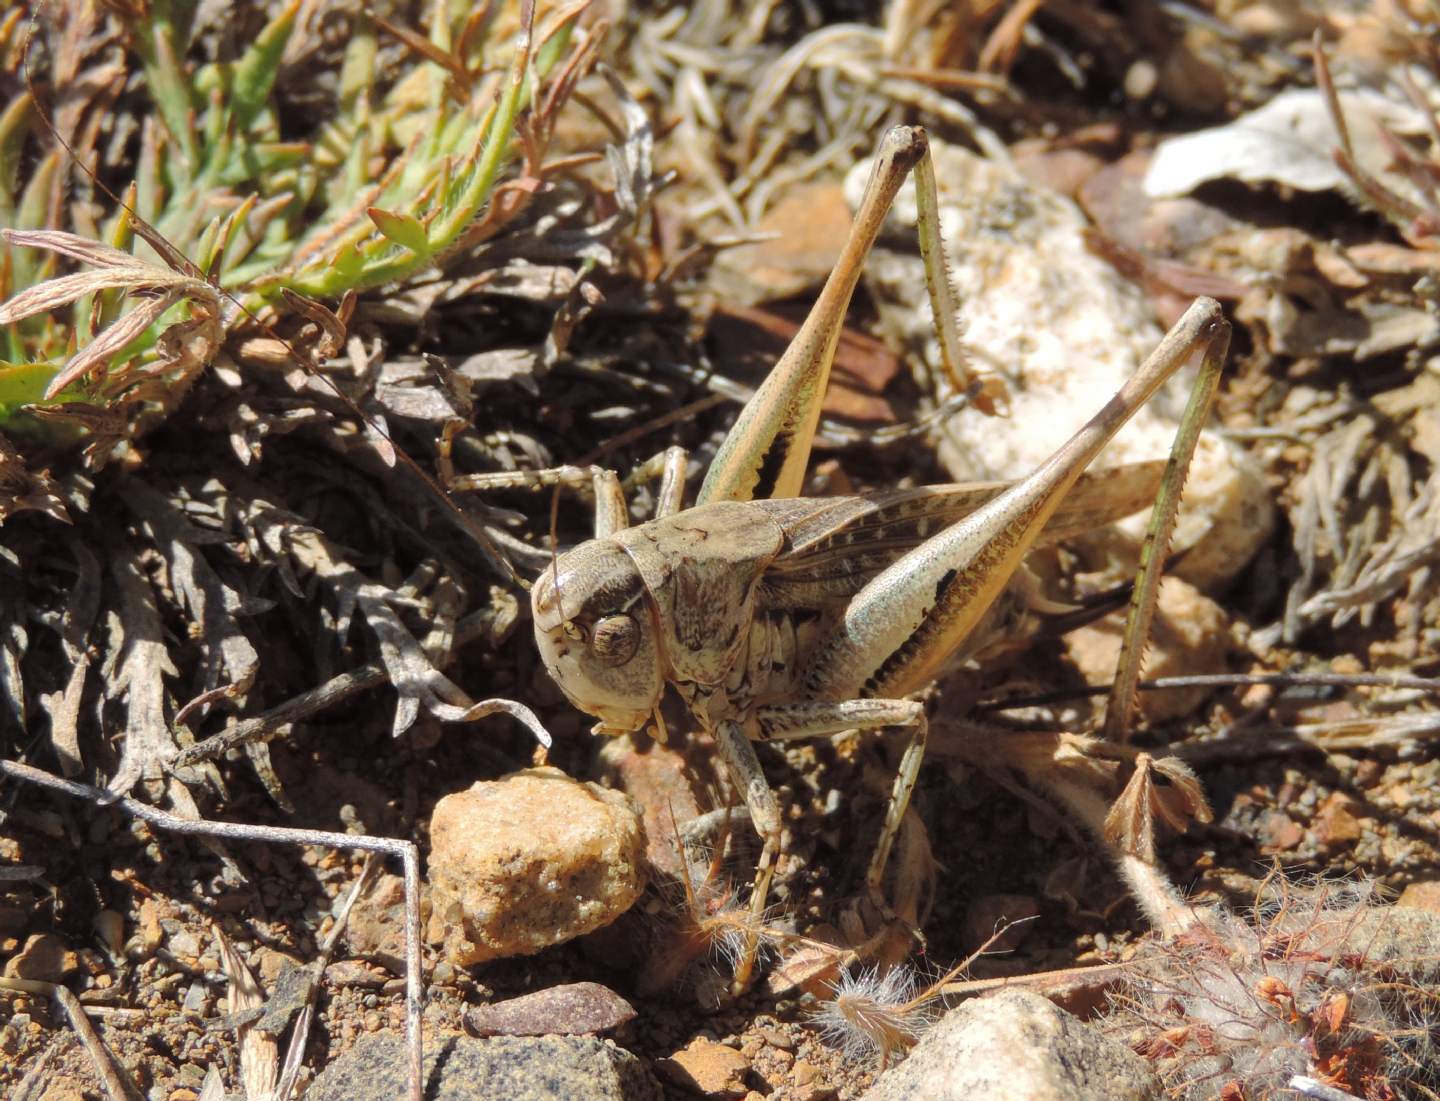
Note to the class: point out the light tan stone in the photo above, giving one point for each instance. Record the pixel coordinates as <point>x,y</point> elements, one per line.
<point>528,861</point>
<point>707,1068</point>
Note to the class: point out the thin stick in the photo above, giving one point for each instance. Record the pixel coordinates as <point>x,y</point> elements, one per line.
<point>268,724</point>
<point>263,727</point>
<point>117,1083</point>
<point>1324,737</point>
<point>1062,985</point>
<point>300,1034</point>
<point>1228,680</point>
<point>407,851</point>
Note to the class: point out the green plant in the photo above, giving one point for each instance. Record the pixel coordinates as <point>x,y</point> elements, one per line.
<point>407,174</point>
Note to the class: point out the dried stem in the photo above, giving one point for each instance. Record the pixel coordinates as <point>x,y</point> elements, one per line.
<point>300,1034</point>
<point>407,851</point>
<point>263,727</point>
<point>118,1085</point>
<point>1229,680</point>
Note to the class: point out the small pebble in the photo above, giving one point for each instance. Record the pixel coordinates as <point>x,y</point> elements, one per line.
<point>184,945</point>
<point>45,957</point>
<point>110,928</point>
<point>195,999</point>
<point>777,1038</point>
<point>572,1009</point>
<point>815,1089</point>
<point>1422,895</point>
<point>268,964</point>
<point>710,1069</point>
<point>528,861</point>
<point>1335,823</point>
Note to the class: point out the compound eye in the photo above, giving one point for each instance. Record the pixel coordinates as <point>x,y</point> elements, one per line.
<point>615,640</point>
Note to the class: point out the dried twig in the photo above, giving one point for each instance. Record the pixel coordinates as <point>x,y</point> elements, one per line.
<point>254,1034</point>
<point>407,851</point>
<point>263,727</point>
<point>118,1085</point>
<point>1364,732</point>
<point>300,1033</point>
<point>1228,680</point>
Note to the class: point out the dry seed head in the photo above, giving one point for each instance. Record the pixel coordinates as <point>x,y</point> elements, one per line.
<point>711,919</point>
<point>874,1013</point>
<point>718,918</point>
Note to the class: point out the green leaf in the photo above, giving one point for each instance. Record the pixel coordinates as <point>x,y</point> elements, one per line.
<point>22,384</point>
<point>404,229</point>
<point>161,41</point>
<point>255,72</point>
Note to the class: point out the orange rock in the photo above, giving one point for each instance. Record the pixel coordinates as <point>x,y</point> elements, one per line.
<point>1279,832</point>
<point>44,957</point>
<point>531,860</point>
<point>1335,823</point>
<point>1424,895</point>
<point>707,1068</point>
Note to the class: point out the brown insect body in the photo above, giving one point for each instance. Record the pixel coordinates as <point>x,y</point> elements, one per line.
<point>729,601</point>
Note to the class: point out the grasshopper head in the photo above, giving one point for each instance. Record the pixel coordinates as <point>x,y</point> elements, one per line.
<point>595,630</point>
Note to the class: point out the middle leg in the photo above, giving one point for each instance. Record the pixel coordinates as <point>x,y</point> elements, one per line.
<point>783,722</point>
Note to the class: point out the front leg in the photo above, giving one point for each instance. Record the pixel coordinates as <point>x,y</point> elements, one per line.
<point>747,775</point>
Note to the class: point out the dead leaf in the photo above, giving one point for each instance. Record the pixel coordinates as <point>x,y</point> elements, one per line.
<point>259,1052</point>
<point>1289,141</point>
<point>135,671</point>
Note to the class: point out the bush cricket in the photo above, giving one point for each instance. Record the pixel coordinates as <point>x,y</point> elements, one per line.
<point>780,617</point>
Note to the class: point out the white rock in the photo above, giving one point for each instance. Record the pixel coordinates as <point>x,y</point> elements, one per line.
<point>528,861</point>
<point>1016,1046</point>
<point>1064,330</point>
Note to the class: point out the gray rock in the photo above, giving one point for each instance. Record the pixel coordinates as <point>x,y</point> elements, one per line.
<point>516,1068</point>
<point>1016,1046</point>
